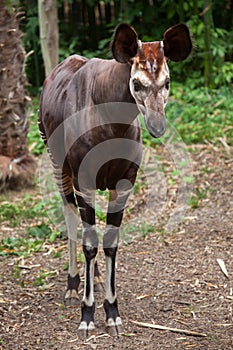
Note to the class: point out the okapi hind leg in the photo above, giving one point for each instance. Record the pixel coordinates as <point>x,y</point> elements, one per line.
<point>98,281</point>
<point>72,221</point>
<point>65,187</point>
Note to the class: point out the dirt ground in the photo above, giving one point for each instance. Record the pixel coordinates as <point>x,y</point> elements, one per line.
<point>168,279</point>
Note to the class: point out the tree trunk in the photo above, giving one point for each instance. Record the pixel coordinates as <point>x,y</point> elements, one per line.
<point>17,167</point>
<point>48,33</point>
<point>208,64</point>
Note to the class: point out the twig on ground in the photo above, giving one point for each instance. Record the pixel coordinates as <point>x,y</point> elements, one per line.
<point>164,328</point>
<point>223,267</point>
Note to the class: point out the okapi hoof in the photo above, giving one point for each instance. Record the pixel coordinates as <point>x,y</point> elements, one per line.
<point>113,320</point>
<point>114,328</point>
<point>86,328</point>
<point>71,296</point>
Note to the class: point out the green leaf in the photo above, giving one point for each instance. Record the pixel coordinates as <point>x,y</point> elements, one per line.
<point>53,236</point>
<point>41,231</point>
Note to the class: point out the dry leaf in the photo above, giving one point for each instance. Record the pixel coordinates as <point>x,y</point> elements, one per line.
<point>144,296</point>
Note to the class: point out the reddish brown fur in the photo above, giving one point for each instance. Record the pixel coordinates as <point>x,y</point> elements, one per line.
<point>150,53</point>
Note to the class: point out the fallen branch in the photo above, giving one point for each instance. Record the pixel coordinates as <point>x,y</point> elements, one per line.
<point>164,328</point>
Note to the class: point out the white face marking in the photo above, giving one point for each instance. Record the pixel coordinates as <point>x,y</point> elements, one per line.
<point>163,75</point>
<point>158,87</point>
<point>149,85</point>
<point>139,75</point>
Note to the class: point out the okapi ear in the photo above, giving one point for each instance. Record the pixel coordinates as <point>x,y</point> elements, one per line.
<point>177,42</point>
<point>124,44</point>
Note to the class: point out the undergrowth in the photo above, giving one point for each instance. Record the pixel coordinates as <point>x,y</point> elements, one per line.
<point>201,115</point>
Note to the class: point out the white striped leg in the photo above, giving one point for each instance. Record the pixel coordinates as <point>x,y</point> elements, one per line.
<point>90,248</point>
<point>116,207</point>
<point>113,320</point>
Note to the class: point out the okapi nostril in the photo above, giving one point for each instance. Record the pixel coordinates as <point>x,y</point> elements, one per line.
<point>156,126</point>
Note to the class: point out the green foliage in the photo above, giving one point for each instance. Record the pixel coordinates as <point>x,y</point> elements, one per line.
<point>133,231</point>
<point>99,213</point>
<point>201,114</point>
<point>35,142</point>
<point>39,231</point>
<point>20,246</point>
<point>196,198</point>
<point>14,214</point>
<point>198,115</point>
<point>27,209</point>
<point>86,30</point>
<point>43,277</point>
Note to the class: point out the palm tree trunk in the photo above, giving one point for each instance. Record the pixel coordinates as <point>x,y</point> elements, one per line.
<point>17,167</point>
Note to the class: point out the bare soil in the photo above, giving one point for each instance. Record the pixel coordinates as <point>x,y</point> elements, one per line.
<point>168,279</point>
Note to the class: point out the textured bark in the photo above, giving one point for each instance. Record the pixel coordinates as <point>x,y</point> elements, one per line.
<point>208,61</point>
<point>48,33</point>
<point>17,167</point>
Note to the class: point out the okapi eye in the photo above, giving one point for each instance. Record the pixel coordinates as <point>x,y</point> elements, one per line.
<point>137,85</point>
<point>167,84</point>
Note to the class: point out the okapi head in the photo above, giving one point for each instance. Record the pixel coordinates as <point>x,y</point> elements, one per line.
<point>150,81</point>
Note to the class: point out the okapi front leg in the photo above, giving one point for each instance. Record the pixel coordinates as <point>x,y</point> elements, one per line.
<point>113,320</point>
<point>116,208</point>
<point>90,244</point>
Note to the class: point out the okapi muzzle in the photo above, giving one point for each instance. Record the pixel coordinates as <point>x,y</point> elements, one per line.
<point>137,77</point>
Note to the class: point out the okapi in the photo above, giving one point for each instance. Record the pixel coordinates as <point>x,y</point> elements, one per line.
<point>88,121</point>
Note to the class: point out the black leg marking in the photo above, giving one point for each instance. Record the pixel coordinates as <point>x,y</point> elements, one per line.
<point>87,320</point>
<point>87,313</point>
<point>88,305</point>
<point>98,281</point>
<point>88,277</point>
<point>89,254</point>
<point>71,296</point>
<point>113,320</point>
<point>73,282</point>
